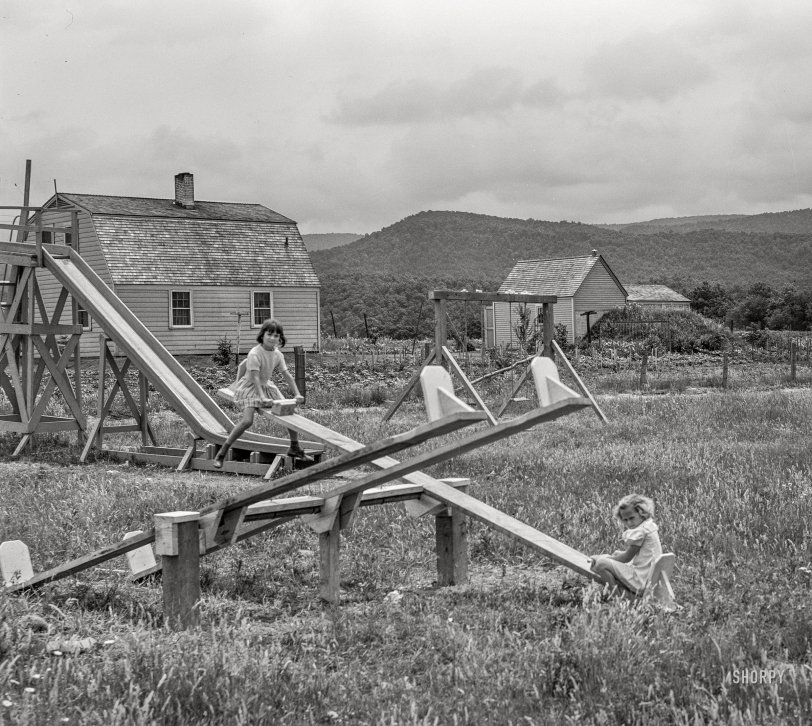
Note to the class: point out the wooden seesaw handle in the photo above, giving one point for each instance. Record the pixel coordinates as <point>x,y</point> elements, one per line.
<point>283,407</point>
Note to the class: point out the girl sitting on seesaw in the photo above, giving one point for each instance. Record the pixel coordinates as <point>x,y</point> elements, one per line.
<point>255,390</point>
<point>627,570</point>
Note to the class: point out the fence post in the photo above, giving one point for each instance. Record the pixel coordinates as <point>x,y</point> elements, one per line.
<point>299,369</point>
<point>792,355</point>
<point>548,329</point>
<point>724,369</point>
<point>643,370</point>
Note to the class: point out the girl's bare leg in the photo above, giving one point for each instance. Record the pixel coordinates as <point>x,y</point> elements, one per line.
<point>242,426</point>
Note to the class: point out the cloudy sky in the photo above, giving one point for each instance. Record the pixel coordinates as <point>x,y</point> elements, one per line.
<point>349,115</point>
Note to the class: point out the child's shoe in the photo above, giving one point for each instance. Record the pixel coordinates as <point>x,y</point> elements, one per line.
<point>298,453</point>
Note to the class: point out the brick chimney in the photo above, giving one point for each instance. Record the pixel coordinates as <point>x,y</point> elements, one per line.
<point>185,190</point>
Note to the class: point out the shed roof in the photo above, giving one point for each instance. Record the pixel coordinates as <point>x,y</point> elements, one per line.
<point>155,242</point>
<point>654,293</point>
<point>561,277</point>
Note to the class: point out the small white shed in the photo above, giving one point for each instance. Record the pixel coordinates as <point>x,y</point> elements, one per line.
<point>581,284</point>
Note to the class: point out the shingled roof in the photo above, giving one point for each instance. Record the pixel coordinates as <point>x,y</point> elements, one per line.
<point>654,293</point>
<point>560,277</point>
<point>155,241</point>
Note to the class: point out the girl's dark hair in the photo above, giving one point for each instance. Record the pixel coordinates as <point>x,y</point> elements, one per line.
<point>272,326</point>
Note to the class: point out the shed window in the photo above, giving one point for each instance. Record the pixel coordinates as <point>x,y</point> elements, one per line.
<point>261,307</point>
<point>180,309</point>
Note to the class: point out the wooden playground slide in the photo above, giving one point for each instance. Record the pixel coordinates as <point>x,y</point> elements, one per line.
<point>183,393</point>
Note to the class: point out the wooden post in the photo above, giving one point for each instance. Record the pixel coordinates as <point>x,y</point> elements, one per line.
<point>178,542</point>
<point>724,369</point>
<point>299,369</point>
<point>792,357</point>
<point>548,330</point>
<point>22,232</point>
<point>143,394</point>
<point>330,573</point>
<point>644,370</point>
<point>451,538</point>
<point>102,374</point>
<point>440,331</point>
<point>77,353</point>
<point>28,365</point>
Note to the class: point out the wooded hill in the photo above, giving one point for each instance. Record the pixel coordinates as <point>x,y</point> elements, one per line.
<point>388,273</point>
<point>477,246</point>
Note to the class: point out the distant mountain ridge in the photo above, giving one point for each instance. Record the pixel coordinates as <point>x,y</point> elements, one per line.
<point>798,221</point>
<point>315,242</point>
<point>775,248</point>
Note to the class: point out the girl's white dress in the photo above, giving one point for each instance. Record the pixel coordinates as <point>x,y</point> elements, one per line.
<point>635,573</point>
<point>264,361</point>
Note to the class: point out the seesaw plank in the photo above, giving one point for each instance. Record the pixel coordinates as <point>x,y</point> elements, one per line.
<point>552,548</point>
<point>293,481</point>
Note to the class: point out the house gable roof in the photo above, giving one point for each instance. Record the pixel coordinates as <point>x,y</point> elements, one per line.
<point>560,277</point>
<point>146,207</point>
<point>654,293</point>
<point>155,242</point>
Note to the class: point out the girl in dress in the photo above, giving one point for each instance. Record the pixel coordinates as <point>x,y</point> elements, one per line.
<point>255,390</point>
<point>628,569</point>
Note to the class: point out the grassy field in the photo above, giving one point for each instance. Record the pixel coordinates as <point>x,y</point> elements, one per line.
<point>523,643</point>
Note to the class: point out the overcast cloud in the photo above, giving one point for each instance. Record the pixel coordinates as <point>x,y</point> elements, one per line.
<point>348,116</point>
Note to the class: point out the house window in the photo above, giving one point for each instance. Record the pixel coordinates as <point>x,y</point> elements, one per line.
<point>180,309</point>
<point>261,307</point>
<point>83,317</point>
<point>68,239</point>
<point>47,237</point>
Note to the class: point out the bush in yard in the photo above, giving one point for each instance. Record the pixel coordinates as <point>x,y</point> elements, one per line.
<point>222,356</point>
<point>685,332</point>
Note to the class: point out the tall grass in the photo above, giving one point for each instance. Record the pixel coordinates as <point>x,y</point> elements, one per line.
<point>524,642</point>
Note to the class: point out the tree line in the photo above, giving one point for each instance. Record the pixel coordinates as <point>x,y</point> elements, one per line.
<point>758,306</point>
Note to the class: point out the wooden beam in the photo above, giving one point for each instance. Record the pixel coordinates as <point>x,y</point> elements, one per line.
<point>491,296</point>
<point>456,448</point>
<point>578,382</point>
<point>39,329</point>
<point>349,460</point>
<point>492,517</point>
<point>407,389</point>
<point>467,384</point>
<point>30,228</point>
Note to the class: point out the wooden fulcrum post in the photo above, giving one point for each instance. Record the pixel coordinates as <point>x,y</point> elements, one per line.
<point>451,539</point>
<point>329,563</point>
<point>178,542</point>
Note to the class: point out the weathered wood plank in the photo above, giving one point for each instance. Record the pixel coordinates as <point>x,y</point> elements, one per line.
<point>490,296</point>
<point>552,548</point>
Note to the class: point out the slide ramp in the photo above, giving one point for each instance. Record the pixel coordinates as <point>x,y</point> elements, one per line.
<point>181,391</point>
